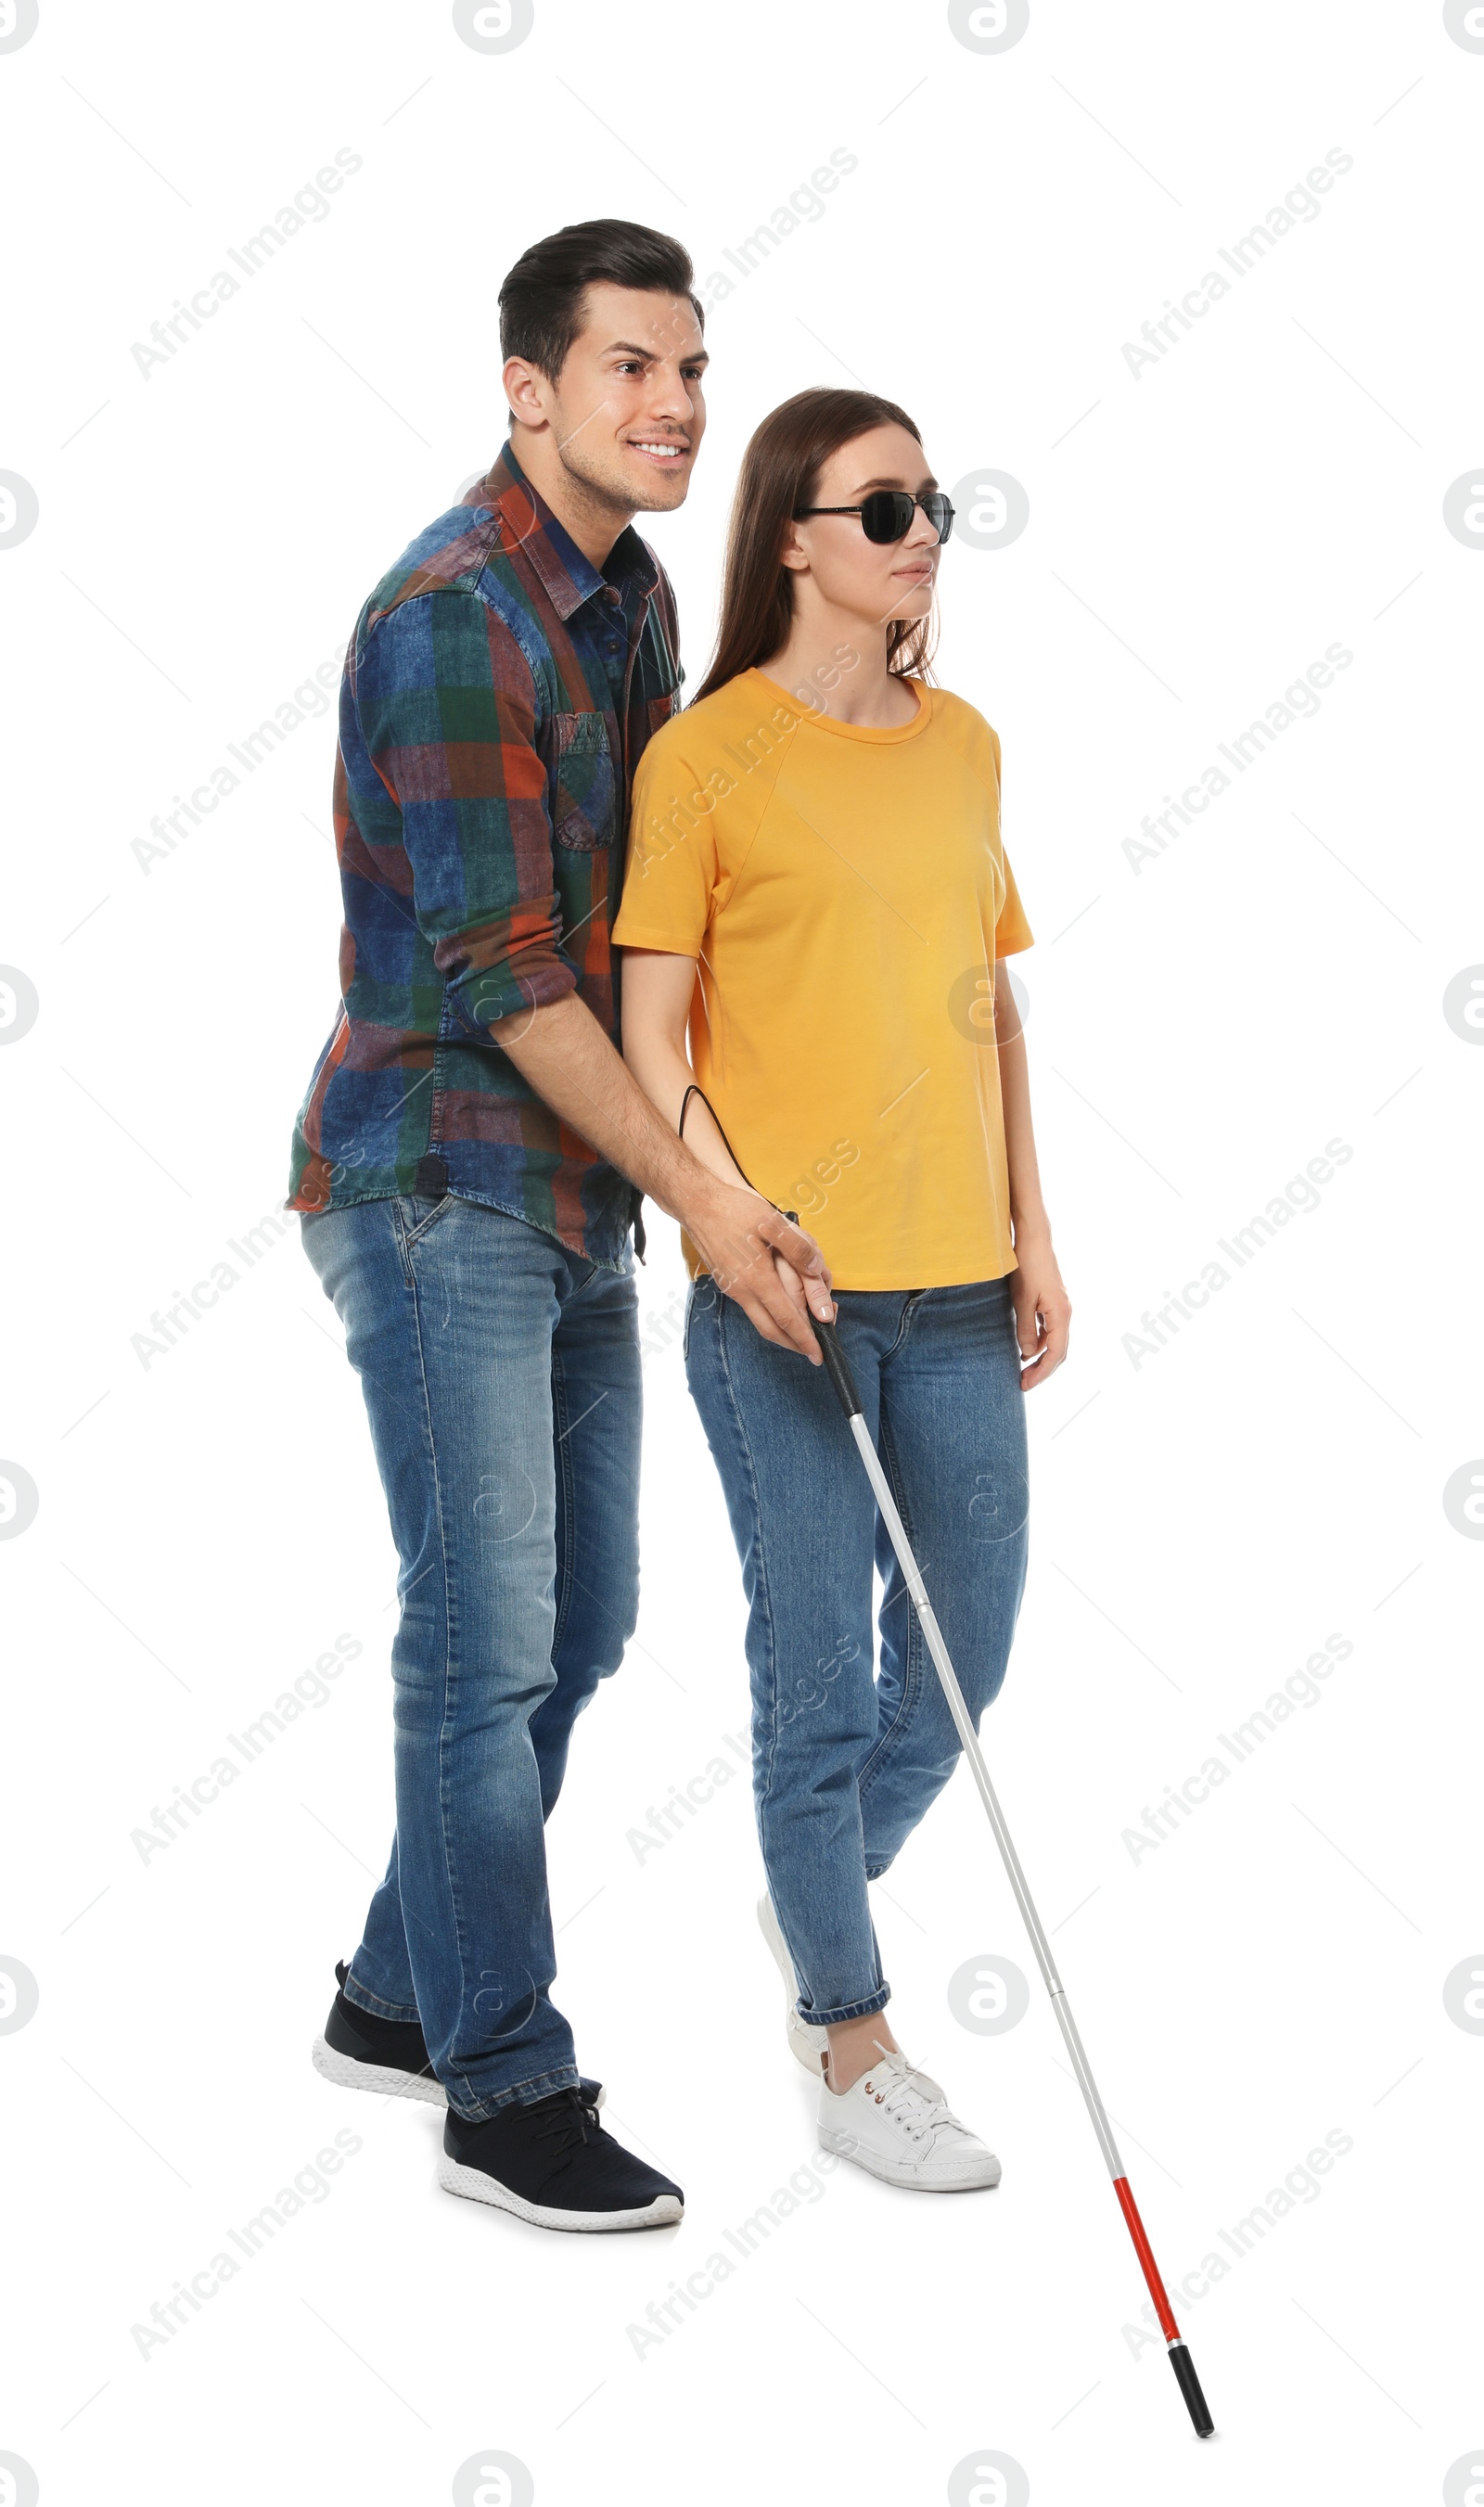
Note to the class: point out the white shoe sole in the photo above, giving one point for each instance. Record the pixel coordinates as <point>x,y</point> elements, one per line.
<point>348,2074</point>
<point>845,2145</point>
<point>805,2044</point>
<point>472,2182</point>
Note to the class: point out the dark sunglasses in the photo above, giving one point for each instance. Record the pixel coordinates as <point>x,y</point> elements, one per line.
<point>887,514</point>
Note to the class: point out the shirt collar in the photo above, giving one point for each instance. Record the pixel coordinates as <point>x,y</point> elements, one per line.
<point>567,577</point>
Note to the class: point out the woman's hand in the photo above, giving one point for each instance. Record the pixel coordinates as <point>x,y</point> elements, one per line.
<point>1042,1307</point>
<point>811,1298</point>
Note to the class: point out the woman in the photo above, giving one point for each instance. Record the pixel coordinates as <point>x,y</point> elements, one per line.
<point>816,892</point>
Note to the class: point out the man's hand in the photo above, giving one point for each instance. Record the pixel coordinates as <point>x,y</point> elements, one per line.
<point>1042,1308</point>
<point>737,1233</point>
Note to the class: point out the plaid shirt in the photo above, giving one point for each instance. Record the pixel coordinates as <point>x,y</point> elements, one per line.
<point>498,695</point>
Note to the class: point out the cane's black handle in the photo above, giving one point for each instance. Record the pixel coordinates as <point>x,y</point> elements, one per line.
<point>1189,2384</point>
<point>837,1367</point>
<point>836,1364</point>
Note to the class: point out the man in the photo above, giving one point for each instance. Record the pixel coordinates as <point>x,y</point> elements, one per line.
<point>469,1160</point>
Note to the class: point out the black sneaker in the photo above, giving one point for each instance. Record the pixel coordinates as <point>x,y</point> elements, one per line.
<point>359,2051</point>
<point>551,2163</point>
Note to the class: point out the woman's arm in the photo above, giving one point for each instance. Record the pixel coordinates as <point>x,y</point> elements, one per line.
<point>657,989</point>
<point>570,1063</point>
<point>1042,1307</point>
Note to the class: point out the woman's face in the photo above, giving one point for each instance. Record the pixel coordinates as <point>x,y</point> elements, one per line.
<point>849,571</point>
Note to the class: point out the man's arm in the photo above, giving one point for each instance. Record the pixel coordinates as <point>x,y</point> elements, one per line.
<point>563,1054</point>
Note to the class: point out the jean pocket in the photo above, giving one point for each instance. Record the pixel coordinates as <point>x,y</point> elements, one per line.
<point>415,1214</point>
<point>583,791</point>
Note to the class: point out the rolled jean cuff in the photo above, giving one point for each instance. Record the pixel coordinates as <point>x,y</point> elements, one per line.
<point>485,2103</point>
<point>356,1994</point>
<point>847,2009</point>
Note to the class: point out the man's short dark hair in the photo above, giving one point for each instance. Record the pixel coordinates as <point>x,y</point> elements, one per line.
<point>541,299</point>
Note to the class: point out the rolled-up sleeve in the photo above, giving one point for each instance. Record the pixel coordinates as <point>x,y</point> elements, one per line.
<point>447,712</point>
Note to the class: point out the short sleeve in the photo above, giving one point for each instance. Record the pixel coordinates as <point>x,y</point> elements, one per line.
<point>1012,931</point>
<point>672,874</point>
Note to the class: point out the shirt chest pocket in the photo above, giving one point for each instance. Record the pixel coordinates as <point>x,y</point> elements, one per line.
<point>583,788</point>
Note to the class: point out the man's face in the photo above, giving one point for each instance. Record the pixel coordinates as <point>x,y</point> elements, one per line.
<point>628,412</point>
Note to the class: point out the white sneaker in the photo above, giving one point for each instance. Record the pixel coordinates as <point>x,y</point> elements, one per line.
<point>806,2044</point>
<point>897,2124</point>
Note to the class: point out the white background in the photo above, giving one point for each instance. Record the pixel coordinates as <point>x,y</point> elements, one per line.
<point>1199,1028</point>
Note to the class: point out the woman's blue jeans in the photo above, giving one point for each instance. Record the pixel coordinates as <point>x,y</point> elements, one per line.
<point>501,1375</point>
<point>846,1758</point>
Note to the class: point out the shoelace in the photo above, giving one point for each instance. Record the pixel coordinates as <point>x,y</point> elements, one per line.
<point>571,2116</point>
<point>910,2085</point>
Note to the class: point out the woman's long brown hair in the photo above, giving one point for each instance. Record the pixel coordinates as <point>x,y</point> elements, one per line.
<point>780,471</point>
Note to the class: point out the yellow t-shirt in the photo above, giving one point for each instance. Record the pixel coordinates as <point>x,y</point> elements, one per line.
<point>845,893</point>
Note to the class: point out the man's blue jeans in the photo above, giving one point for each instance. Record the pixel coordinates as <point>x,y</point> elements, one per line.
<point>846,1761</point>
<point>501,1375</point>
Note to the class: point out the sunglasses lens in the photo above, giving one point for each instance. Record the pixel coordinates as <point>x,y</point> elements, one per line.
<point>887,516</point>
<point>939,511</point>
